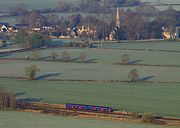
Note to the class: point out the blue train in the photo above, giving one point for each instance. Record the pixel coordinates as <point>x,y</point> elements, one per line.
<point>90,108</point>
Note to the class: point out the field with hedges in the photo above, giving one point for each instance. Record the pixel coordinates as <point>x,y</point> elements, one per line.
<point>162,99</point>
<point>100,80</point>
<point>22,120</point>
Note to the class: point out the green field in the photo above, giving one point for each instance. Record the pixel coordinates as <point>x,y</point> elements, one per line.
<point>104,67</point>
<point>29,120</point>
<point>162,99</point>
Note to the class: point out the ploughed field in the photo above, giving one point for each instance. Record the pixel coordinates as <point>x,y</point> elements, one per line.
<point>163,99</point>
<point>22,120</point>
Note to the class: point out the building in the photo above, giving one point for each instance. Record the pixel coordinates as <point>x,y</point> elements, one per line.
<point>168,33</point>
<point>177,34</point>
<point>4,27</point>
<point>118,25</point>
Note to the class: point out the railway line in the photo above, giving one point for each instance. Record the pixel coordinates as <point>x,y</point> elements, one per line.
<point>60,109</point>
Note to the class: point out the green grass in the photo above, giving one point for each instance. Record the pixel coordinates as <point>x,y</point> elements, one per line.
<point>162,99</point>
<point>104,69</point>
<point>162,45</point>
<point>87,71</point>
<point>112,56</point>
<point>29,120</point>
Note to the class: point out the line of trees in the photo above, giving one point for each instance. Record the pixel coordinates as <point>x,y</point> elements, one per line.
<point>145,22</point>
<point>7,99</point>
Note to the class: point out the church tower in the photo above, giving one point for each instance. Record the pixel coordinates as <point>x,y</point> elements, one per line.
<point>118,17</point>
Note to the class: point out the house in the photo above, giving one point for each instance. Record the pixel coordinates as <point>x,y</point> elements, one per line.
<point>4,27</point>
<point>168,33</point>
<point>177,34</point>
<point>36,29</point>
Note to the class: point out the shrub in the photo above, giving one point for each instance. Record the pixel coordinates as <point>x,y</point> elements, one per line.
<point>125,58</point>
<point>82,57</point>
<point>34,55</point>
<point>30,72</point>
<point>7,99</point>
<point>65,56</point>
<point>135,115</point>
<point>54,55</point>
<point>148,117</point>
<point>133,75</point>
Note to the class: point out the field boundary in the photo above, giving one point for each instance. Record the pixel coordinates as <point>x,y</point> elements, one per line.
<point>91,81</point>
<point>60,109</point>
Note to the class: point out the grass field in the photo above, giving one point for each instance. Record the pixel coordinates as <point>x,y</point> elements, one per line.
<point>113,56</point>
<point>87,71</point>
<point>25,120</point>
<point>162,99</point>
<point>169,46</point>
<point>104,68</point>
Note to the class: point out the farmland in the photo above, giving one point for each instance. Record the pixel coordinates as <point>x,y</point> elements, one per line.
<point>159,97</point>
<point>21,120</point>
<point>162,99</point>
<point>100,65</point>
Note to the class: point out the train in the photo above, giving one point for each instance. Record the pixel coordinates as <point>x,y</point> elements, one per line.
<point>90,108</point>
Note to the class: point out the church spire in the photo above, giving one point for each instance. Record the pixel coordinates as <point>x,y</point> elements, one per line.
<point>118,17</point>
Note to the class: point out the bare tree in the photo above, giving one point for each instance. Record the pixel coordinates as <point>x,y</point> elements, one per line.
<point>54,55</point>
<point>34,55</point>
<point>30,72</point>
<point>133,75</point>
<point>7,99</point>
<point>82,57</point>
<point>65,56</point>
<point>125,58</point>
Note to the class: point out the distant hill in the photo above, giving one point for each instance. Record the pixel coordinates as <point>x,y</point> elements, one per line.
<point>162,1</point>
<point>39,4</point>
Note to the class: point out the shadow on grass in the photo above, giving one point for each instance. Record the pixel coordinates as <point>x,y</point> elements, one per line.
<point>4,55</point>
<point>40,77</point>
<point>134,61</point>
<point>30,100</point>
<point>45,58</point>
<point>90,61</point>
<point>20,93</point>
<point>74,59</point>
<point>146,78</point>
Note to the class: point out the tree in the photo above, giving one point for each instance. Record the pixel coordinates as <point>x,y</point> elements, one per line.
<point>125,58</point>
<point>19,9</point>
<point>54,55</point>
<point>30,72</point>
<point>63,6</point>
<point>34,55</point>
<point>29,40</point>
<point>133,75</point>
<point>65,56</point>
<point>22,39</point>
<point>39,40</point>
<point>7,99</point>
<point>82,57</point>
<point>148,117</point>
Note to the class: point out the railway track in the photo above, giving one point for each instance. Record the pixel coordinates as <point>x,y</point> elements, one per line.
<point>60,109</point>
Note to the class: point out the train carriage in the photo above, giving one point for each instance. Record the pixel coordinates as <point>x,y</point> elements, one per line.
<point>91,108</point>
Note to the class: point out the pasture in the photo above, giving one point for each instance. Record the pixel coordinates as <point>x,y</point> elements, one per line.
<point>99,65</point>
<point>162,99</point>
<point>89,71</point>
<point>22,120</point>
